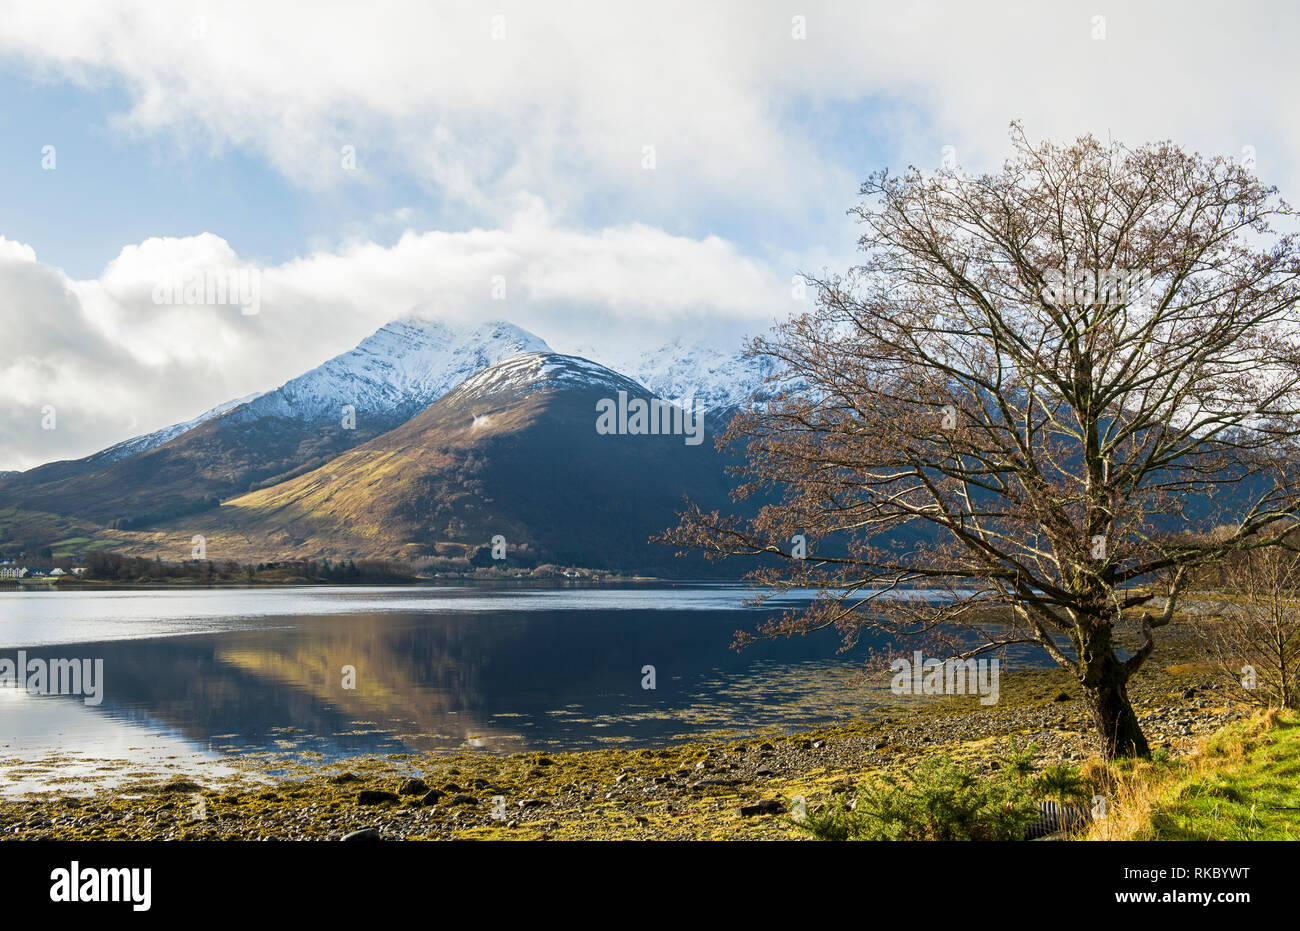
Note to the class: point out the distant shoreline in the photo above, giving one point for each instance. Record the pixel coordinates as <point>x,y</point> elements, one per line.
<point>182,583</point>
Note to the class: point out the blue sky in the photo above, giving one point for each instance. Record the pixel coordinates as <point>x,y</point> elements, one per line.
<point>115,185</point>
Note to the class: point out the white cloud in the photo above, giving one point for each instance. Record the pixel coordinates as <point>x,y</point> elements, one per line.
<point>759,138</point>
<point>114,364</point>
<point>739,112</point>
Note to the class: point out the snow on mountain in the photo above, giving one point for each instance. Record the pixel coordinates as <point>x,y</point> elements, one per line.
<point>716,378</point>
<point>402,368</point>
<point>536,371</point>
<point>406,365</point>
<point>142,444</point>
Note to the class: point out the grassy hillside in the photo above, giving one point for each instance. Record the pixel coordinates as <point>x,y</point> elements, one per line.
<point>187,476</point>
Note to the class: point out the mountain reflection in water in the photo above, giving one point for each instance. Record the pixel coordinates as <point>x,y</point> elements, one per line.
<point>222,671</point>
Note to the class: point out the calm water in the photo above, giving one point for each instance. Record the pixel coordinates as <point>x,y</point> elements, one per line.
<point>211,674</point>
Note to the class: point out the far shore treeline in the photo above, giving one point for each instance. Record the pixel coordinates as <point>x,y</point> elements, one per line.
<point>116,567</point>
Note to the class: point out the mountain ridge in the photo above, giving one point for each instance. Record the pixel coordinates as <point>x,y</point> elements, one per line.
<point>512,452</point>
<point>391,375</point>
<point>279,446</point>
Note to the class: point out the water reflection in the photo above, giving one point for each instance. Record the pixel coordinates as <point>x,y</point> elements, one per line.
<point>263,672</point>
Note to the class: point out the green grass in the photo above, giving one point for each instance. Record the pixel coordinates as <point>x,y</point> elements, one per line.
<point>1244,784</point>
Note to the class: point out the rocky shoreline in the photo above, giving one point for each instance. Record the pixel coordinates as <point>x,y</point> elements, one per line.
<point>727,787</point>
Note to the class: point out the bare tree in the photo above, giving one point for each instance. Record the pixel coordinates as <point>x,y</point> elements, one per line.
<point>1254,641</point>
<point>1033,390</point>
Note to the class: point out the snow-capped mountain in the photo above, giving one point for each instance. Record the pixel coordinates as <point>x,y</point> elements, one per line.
<point>517,450</point>
<point>388,378</point>
<point>716,378</point>
<point>391,376</point>
<point>458,430</point>
<point>403,367</point>
<point>536,371</point>
<point>142,444</point>
<point>407,364</point>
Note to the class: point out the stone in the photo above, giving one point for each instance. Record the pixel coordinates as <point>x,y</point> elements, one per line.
<point>768,806</point>
<point>375,797</point>
<point>413,787</point>
<point>364,834</point>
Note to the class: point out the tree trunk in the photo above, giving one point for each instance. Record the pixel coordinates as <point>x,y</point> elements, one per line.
<point>1116,724</point>
<point>1105,691</point>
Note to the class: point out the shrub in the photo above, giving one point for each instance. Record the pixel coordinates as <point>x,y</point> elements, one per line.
<point>940,800</point>
<point>1063,783</point>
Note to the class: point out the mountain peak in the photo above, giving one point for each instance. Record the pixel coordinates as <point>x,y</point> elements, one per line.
<point>402,367</point>
<point>425,326</point>
<point>534,371</point>
<point>715,377</point>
